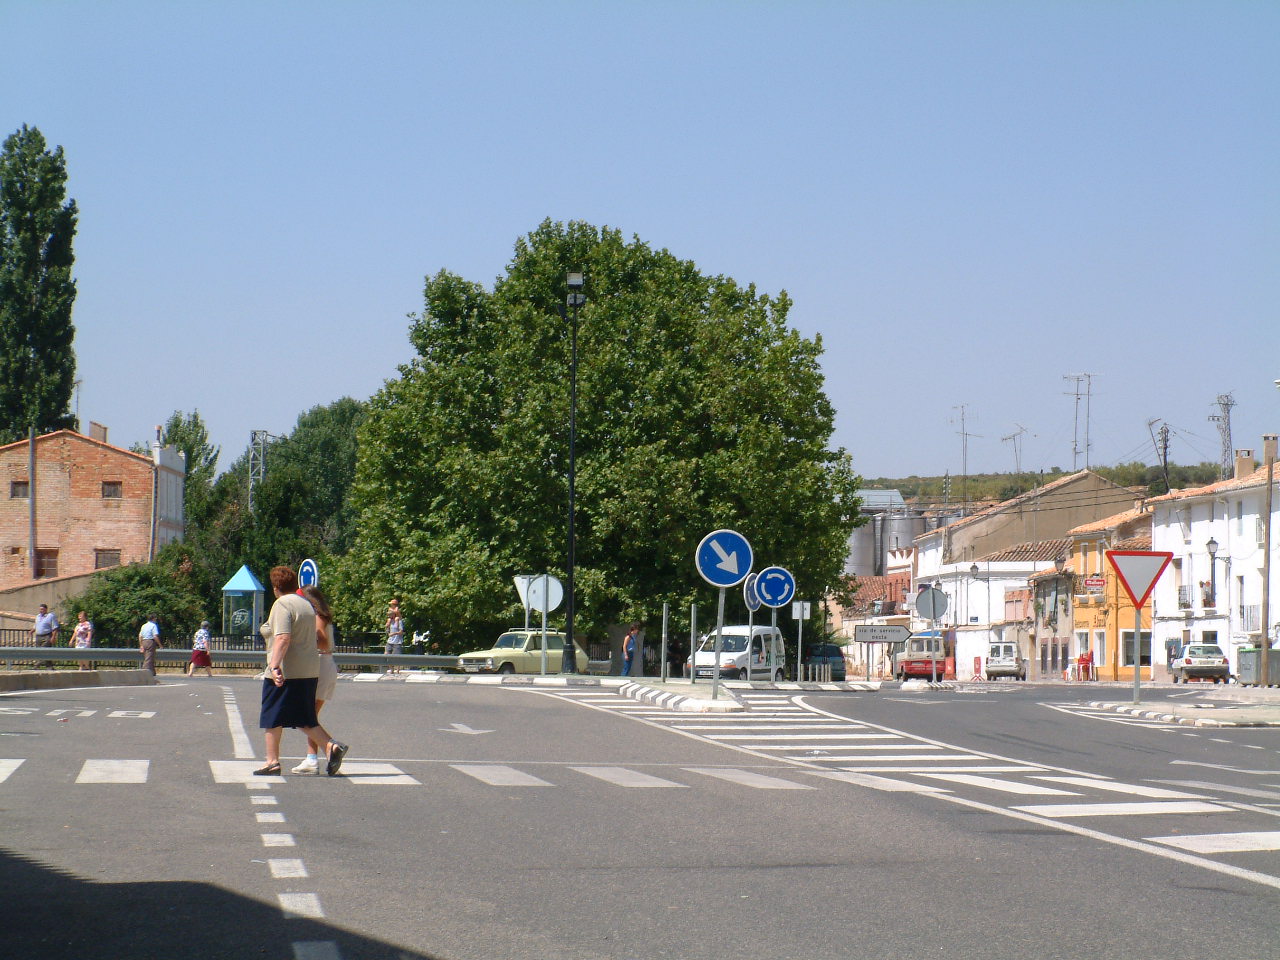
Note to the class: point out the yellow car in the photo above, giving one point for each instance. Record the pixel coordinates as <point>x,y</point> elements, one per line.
<point>520,651</point>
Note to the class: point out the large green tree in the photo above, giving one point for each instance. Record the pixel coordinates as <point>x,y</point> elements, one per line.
<point>37,226</point>
<point>698,408</point>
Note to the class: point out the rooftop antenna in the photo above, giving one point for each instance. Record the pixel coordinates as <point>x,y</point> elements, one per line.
<point>1076,450</point>
<point>1016,438</point>
<point>964,456</point>
<point>1223,419</point>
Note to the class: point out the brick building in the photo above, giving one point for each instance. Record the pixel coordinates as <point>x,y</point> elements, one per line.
<point>91,505</point>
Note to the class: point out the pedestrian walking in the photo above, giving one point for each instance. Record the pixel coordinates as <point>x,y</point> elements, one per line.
<point>327,680</point>
<point>148,642</point>
<point>629,644</point>
<point>44,632</point>
<point>82,637</point>
<point>293,670</point>
<point>200,651</point>
<point>395,634</point>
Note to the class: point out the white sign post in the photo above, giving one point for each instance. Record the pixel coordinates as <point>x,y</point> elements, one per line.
<point>545,593</point>
<point>1138,571</point>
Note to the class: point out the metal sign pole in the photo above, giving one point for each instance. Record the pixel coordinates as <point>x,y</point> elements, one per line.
<point>800,642</point>
<point>933,660</point>
<point>715,671</point>
<point>1137,653</point>
<point>662,669</point>
<point>751,639</point>
<point>773,657</point>
<point>545,594</point>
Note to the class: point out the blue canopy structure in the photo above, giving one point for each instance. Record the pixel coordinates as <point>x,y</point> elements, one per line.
<point>242,604</point>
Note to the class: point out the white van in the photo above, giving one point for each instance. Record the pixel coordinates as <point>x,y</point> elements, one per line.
<point>1003,661</point>
<point>736,658</point>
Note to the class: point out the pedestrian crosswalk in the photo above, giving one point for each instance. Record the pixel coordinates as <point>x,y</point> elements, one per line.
<point>821,746</point>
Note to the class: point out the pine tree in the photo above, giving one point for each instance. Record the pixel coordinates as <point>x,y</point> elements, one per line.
<point>37,226</point>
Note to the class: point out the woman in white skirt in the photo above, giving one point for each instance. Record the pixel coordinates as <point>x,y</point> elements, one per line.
<point>328,679</point>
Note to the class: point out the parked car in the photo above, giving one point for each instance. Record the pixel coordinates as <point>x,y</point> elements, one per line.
<point>520,651</point>
<point>1203,661</point>
<point>825,654</point>
<point>1003,661</point>
<point>764,663</point>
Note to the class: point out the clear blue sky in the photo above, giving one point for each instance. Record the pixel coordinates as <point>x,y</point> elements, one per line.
<point>967,200</point>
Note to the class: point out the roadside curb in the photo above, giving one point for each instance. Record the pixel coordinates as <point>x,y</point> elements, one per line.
<point>1138,711</point>
<point>69,679</point>
<point>670,700</point>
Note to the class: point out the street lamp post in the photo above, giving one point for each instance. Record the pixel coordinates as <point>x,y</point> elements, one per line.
<point>569,662</point>
<point>1212,548</point>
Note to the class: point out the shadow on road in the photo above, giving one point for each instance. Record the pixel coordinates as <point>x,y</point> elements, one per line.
<point>53,915</point>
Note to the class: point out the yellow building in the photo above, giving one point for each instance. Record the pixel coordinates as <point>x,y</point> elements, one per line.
<point>1102,613</point>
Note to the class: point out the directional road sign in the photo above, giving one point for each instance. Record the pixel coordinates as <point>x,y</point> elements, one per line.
<point>749,593</point>
<point>545,593</point>
<point>1138,571</point>
<point>308,574</point>
<point>880,633</point>
<point>724,558</point>
<point>931,603</point>
<point>776,586</point>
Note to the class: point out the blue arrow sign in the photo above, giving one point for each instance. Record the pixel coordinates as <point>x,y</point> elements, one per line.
<point>749,593</point>
<point>308,574</point>
<point>776,586</point>
<point>724,558</point>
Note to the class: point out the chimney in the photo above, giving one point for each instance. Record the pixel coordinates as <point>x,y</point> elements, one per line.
<point>1245,464</point>
<point>97,431</point>
<point>1268,447</point>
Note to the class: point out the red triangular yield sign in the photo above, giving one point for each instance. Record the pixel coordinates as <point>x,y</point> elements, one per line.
<point>1138,571</point>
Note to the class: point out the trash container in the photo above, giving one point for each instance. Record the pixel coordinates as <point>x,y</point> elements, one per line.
<point>1250,666</point>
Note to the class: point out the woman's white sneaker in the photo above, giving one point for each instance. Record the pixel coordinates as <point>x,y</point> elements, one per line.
<point>308,765</point>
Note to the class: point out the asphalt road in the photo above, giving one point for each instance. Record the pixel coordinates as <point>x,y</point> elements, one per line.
<point>483,822</point>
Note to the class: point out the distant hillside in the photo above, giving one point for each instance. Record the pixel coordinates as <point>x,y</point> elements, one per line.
<point>933,492</point>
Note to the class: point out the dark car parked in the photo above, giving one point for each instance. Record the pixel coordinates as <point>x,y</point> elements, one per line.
<point>823,654</point>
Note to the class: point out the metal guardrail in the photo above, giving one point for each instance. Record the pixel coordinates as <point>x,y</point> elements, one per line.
<point>27,655</point>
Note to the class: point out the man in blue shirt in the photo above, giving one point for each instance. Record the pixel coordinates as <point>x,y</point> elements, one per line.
<point>45,633</point>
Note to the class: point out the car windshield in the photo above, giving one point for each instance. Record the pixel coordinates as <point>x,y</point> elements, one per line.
<point>510,641</point>
<point>1204,652</point>
<point>731,643</point>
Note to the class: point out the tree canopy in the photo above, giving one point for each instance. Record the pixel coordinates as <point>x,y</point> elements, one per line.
<point>37,226</point>
<point>698,408</point>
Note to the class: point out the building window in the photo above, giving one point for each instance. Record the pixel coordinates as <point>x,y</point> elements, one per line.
<point>112,490</point>
<point>46,564</point>
<point>19,489</point>
<point>105,558</point>
<point>1126,648</point>
<point>1099,647</point>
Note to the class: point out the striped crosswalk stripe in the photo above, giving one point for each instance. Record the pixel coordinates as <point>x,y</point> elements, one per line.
<point>114,771</point>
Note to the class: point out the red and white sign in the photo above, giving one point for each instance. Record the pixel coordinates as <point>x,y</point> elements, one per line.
<point>1138,571</point>
<point>1095,583</point>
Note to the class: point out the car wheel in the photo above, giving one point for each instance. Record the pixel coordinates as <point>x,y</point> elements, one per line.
<point>507,668</point>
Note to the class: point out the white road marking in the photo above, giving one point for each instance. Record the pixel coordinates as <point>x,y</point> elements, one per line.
<point>7,767</point>
<point>300,905</point>
<point>1155,807</point>
<point>1224,842</point>
<point>278,840</point>
<point>738,725</point>
<point>382,774</point>
<point>270,817</point>
<point>132,714</point>
<point>988,769</point>
<point>804,736</point>
<point>114,771</point>
<point>880,783</point>
<point>287,869</point>
<point>1136,790</point>
<point>241,771</point>
<point>748,779</point>
<point>623,777</point>
<point>264,801</point>
<point>367,677</point>
<point>499,775</point>
<point>1004,786</point>
<point>241,747</point>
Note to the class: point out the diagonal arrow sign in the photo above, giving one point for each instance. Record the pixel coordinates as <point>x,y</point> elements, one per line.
<point>461,728</point>
<point>728,561</point>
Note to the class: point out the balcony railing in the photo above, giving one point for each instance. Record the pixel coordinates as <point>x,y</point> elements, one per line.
<point>1184,597</point>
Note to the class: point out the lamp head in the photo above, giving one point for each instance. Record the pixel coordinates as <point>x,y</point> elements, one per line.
<point>1212,547</point>
<point>574,280</point>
